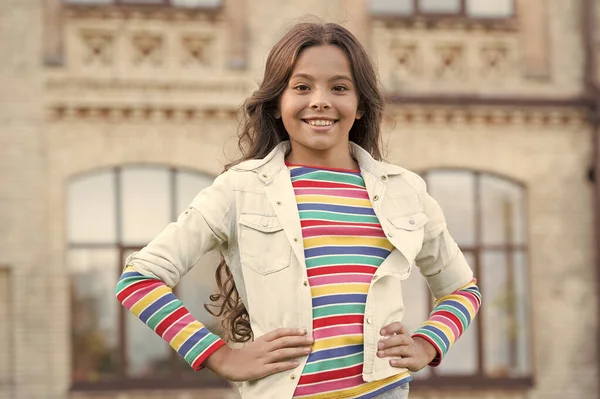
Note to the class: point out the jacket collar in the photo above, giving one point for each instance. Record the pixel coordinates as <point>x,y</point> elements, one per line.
<point>270,165</point>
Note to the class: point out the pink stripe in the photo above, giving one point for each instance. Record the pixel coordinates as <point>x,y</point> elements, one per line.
<point>447,322</point>
<point>339,279</point>
<point>177,327</point>
<point>351,329</point>
<point>329,230</point>
<point>139,294</point>
<point>339,192</point>
<point>470,296</point>
<point>329,386</point>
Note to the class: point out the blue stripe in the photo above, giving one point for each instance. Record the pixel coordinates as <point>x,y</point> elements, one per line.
<point>346,298</point>
<point>354,210</point>
<point>350,250</point>
<point>456,305</point>
<point>438,333</point>
<point>335,352</point>
<point>193,340</point>
<point>156,305</point>
<point>131,274</point>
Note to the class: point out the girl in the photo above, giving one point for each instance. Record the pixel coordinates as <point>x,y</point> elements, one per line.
<point>317,234</point>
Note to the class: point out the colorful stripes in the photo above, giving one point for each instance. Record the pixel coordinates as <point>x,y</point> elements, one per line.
<point>450,317</point>
<point>154,303</point>
<point>343,246</point>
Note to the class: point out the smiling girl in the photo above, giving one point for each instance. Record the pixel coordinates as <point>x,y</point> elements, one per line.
<point>317,234</point>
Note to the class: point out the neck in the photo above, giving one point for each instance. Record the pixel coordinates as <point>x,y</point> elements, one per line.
<point>327,159</point>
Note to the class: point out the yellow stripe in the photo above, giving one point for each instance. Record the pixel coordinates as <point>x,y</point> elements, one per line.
<point>361,389</point>
<point>337,342</point>
<point>446,330</point>
<point>184,334</point>
<point>149,299</point>
<point>379,242</point>
<point>329,199</point>
<point>339,289</point>
<point>460,299</point>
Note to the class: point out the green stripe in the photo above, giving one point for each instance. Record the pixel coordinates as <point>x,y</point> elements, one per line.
<point>454,311</point>
<point>200,347</point>
<point>163,314</point>
<point>338,217</point>
<point>343,260</point>
<point>334,364</point>
<point>435,338</point>
<point>338,310</point>
<point>332,177</point>
<point>126,282</point>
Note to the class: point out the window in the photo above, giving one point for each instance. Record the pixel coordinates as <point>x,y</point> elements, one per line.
<point>175,3</point>
<point>111,214</point>
<point>468,8</point>
<point>486,216</point>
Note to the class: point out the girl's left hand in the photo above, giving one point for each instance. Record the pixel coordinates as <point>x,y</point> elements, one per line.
<point>406,351</point>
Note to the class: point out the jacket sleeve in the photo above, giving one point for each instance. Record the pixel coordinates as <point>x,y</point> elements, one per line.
<point>145,287</point>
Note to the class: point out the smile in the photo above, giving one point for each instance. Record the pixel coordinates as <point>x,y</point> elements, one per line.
<point>319,122</point>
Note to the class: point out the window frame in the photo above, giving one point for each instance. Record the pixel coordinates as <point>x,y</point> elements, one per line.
<point>480,380</point>
<point>434,17</point>
<point>176,377</point>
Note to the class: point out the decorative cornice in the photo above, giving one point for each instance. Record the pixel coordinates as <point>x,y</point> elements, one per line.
<point>439,22</point>
<point>58,113</point>
<point>143,12</point>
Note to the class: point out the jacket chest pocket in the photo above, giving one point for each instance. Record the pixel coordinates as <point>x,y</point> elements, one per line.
<point>263,244</point>
<point>407,234</point>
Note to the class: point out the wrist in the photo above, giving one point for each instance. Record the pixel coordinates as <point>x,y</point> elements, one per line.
<point>217,360</point>
<point>427,348</point>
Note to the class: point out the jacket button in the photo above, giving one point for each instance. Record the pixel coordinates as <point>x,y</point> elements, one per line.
<point>278,202</point>
<point>390,234</point>
<point>375,198</point>
<point>384,177</point>
<point>369,321</point>
<point>295,239</point>
<point>411,221</point>
<point>293,376</point>
<point>375,277</point>
<point>265,176</point>
<point>265,223</point>
<point>305,283</point>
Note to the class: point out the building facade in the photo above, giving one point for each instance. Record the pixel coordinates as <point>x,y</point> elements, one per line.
<point>114,113</point>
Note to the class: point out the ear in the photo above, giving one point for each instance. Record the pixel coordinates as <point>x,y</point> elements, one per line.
<point>277,114</point>
<point>359,113</point>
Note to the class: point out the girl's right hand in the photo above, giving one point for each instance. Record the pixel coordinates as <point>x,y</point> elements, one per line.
<point>272,353</point>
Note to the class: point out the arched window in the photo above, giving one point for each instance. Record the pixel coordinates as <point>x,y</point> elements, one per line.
<point>486,216</point>
<point>111,214</point>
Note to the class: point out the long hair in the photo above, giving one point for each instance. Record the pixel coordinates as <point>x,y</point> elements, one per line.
<point>260,132</point>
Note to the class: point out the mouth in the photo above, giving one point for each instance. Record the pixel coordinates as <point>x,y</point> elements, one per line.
<point>320,123</point>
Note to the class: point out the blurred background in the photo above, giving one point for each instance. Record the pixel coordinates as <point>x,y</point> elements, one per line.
<point>115,113</point>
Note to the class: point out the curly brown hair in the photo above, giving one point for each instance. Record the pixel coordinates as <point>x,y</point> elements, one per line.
<point>260,131</point>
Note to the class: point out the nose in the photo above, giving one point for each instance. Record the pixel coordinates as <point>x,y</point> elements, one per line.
<point>319,101</point>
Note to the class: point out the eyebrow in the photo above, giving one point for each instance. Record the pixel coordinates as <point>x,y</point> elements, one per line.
<point>335,77</point>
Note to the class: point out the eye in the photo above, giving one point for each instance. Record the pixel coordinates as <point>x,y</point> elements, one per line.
<point>340,88</point>
<point>301,87</point>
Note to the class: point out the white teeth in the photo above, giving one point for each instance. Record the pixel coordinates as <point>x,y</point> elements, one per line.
<point>314,122</point>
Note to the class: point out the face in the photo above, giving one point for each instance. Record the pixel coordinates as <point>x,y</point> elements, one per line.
<point>320,103</point>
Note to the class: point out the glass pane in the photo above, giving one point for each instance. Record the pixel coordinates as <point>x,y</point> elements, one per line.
<point>490,8</point>
<point>91,212</point>
<point>461,359</point>
<point>440,6</point>
<point>196,3</point>
<point>522,330</point>
<point>147,353</point>
<point>94,313</point>
<point>143,1</point>
<point>90,1</point>
<point>503,211</point>
<point>455,192</point>
<point>188,186</point>
<point>146,204</point>
<point>417,300</point>
<point>391,6</point>
<point>497,317</point>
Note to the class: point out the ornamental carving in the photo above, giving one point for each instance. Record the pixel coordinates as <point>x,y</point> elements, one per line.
<point>450,61</point>
<point>98,47</point>
<point>148,49</point>
<point>196,51</point>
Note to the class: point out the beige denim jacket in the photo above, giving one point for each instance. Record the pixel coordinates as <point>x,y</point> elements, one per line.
<point>250,214</point>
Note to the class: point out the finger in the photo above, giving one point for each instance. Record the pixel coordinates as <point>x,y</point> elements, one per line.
<point>407,363</point>
<point>287,353</point>
<point>393,328</point>
<point>289,342</point>
<point>395,340</point>
<point>283,332</point>
<point>397,351</point>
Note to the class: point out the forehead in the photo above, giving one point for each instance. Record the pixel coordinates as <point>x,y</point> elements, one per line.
<point>322,62</point>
